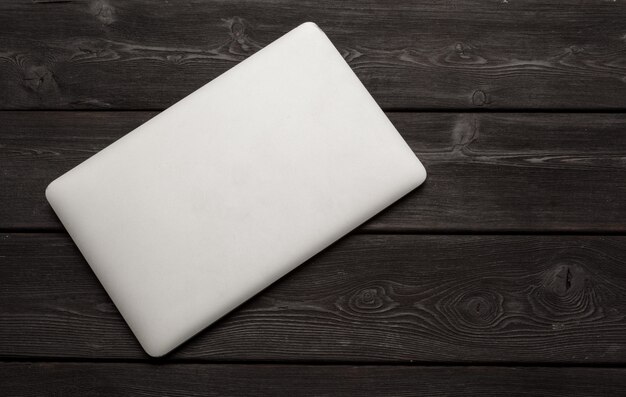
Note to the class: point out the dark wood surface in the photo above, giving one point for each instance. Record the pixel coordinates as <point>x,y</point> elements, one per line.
<point>439,54</point>
<point>372,298</point>
<point>505,273</point>
<point>115,379</point>
<point>487,172</point>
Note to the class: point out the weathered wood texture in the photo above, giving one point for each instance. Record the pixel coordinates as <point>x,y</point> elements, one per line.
<point>409,54</point>
<point>486,172</point>
<point>88,379</point>
<point>390,298</point>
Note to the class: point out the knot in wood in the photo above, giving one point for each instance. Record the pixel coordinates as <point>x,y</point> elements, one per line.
<point>103,11</point>
<point>575,49</point>
<point>462,50</point>
<point>565,294</point>
<point>481,308</point>
<point>368,299</point>
<point>564,279</point>
<point>480,98</point>
<point>371,300</point>
<point>237,28</point>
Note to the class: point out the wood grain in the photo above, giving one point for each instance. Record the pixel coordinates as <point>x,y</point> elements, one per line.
<point>487,172</point>
<point>115,54</point>
<point>115,379</point>
<point>368,298</point>
<point>520,301</point>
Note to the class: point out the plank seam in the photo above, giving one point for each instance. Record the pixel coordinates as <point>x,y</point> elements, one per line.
<point>398,232</point>
<point>432,364</point>
<point>385,109</point>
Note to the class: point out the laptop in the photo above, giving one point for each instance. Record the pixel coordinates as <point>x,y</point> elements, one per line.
<point>208,203</point>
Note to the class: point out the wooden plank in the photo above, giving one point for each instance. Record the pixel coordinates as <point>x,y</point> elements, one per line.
<point>486,172</point>
<point>416,54</point>
<point>118,379</point>
<point>372,298</point>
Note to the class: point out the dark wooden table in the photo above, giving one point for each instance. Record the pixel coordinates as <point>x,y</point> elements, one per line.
<point>504,274</point>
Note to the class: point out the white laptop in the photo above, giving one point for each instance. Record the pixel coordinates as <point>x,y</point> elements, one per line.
<point>208,203</point>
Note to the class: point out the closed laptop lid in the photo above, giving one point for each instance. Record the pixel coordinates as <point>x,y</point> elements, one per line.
<point>208,203</point>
